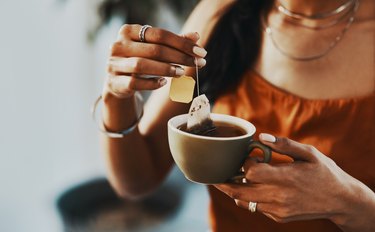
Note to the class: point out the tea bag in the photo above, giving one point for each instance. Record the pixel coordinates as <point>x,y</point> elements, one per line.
<point>199,120</point>
<point>182,90</point>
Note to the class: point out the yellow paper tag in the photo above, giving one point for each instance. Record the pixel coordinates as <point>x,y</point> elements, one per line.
<point>182,89</point>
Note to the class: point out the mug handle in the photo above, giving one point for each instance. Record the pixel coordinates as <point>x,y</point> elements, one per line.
<point>267,155</point>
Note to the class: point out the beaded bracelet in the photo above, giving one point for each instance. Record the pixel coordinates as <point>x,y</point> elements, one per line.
<point>123,133</point>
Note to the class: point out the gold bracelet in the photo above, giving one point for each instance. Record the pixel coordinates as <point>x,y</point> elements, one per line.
<point>123,133</point>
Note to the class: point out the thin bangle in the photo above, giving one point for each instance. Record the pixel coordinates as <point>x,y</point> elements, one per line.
<point>123,133</point>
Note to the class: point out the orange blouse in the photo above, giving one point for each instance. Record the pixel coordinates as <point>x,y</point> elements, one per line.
<point>343,129</point>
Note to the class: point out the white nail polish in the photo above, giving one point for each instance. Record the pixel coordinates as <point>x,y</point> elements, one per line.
<point>267,137</point>
<point>199,51</point>
<point>200,62</point>
<point>179,71</point>
<point>162,81</point>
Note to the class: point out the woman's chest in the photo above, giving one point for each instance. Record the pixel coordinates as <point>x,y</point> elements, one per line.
<point>347,71</point>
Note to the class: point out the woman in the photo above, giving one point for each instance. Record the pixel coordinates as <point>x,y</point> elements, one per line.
<point>301,71</point>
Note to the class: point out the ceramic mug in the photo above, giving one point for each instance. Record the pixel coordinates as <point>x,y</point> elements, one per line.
<point>212,160</point>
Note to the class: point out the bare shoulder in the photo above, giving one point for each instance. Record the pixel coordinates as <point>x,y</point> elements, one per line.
<point>205,16</point>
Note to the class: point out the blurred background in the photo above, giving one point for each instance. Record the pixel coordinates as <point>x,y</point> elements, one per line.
<point>52,173</point>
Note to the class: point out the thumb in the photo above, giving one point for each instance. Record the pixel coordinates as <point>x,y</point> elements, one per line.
<point>291,148</point>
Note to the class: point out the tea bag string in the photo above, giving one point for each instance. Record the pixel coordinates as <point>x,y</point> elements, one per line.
<point>197,75</point>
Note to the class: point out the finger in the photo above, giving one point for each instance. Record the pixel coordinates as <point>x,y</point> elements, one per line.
<point>155,52</point>
<point>136,65</point>
<point>259,172</point>
<point>242,192</point>
<point>193,36</point>
<point>297,151</point>
<point>123,85</point>
<point>250,161</point>
<point>163,37</point>
<point>261,208</point>
<point>245,205</point>
<point>264,208</point>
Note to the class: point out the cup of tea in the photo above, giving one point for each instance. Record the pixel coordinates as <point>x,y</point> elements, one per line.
<point>215,158</point>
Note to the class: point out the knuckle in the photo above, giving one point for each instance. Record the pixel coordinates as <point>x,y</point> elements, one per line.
<point>115,48</point>
<point>137,64</point>
<point>281,214</point>
<point>331,161</point>
<point>249,163</point>
<point>156,51</point>
<point>132,83</point>
<point>282,197</point>
<point>310,148</point>
<point>170,70</point>
<point>187,46</point>
<point>252,173</point>
<point>285,142</point>
<point>188,59</point>
<point>234,195</point>
<point>125,29</point>
<point>159,35</point>
<point>288,178</point>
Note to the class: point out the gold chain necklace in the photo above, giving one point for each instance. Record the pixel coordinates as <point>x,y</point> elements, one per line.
<point>337,39</point>
<point>324,15</point>
<point>338,20</point>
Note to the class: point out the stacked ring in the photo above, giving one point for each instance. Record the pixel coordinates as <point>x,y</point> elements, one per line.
<point>142,32</point>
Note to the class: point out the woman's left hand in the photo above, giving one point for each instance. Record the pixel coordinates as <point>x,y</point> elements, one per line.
<point>311,187</point>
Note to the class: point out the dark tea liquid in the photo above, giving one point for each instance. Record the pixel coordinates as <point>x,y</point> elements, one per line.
<point>222,130</point>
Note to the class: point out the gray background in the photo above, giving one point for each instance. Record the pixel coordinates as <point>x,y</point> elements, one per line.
<point>50,75</point>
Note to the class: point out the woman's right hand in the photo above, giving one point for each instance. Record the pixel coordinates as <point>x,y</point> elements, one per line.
<point>132,62</point>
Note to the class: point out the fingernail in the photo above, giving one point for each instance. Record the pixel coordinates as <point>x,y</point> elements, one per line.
<point>199,51</point>
<point>200,62</point>
<point>162,81</point>
<point>267,137</point>
<point>197,36</point>
<point>179,71</point>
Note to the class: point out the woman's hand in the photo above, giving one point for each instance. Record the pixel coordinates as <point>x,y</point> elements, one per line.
<point>311,187</point>
<point>159,56</point>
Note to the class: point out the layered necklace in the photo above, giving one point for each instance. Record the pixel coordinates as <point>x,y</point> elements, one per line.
<point>336,11</point>
<point>348,8</point>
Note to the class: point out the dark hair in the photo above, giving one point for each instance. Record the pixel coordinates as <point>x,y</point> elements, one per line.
<point>233,46</point>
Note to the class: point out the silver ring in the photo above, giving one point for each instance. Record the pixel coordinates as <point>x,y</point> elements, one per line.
<point>142,32</point>
<point>253,206</point>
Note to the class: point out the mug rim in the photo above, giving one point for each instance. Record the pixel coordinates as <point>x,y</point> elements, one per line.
<point>249,127</point>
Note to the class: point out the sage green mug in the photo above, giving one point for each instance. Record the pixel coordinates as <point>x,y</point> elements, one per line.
<point>213,160</point>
